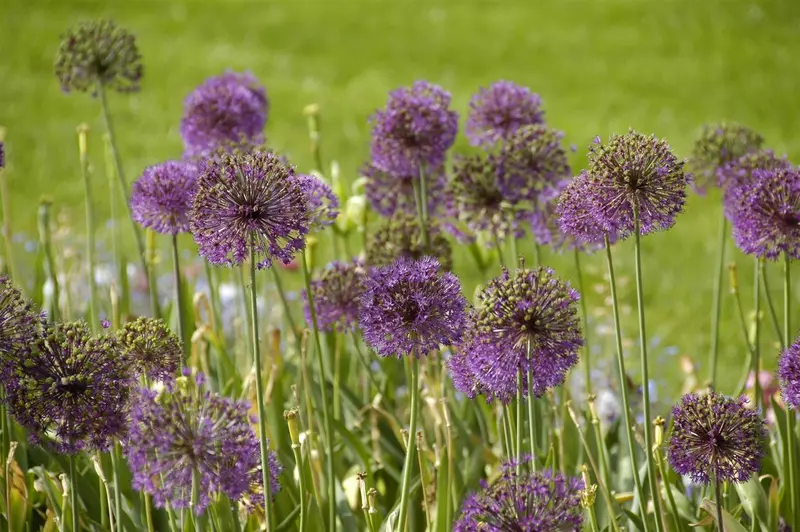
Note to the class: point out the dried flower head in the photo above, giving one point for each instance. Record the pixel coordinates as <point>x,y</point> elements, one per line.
<point>162,196</point>
<point>789,374</point>
<point>533,161</point>
<point>409,308</point>
<point>98,52</point>
<point>717,146</point>
<point>389,193</point>
<point>414,130</point>
<point>322,202</point>
<point>498,111</point>
<point>151,349</point>
<point>736,177</point>
<point>716,437</point>
<point>400,236</point>
<point>337,296</point>
<point>19,325</point>
<point>249,200</point>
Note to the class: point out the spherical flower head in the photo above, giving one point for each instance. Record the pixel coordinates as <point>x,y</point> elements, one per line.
<point>533,161</point>
<point>409,308</point>
<point>224,111</point>
<point>151,348</point>
<point>736,177</point>
<point>767,223</point>
<point>323,204</point>
<point>789,374</point>
<point>636,171</point>
<point>400,236</point>
<point>717,146</point>
<point>162,196</point>
<point>498,111</point>
<point>716,437</point>
<point>414,130</point>
<point>390,193</point>
<point>72,389</point>
<point>249,200</point>
<point>98,52</point>
<point>186,431</point>
<point>20,325</point>
<point>337,296</point>
<point>577,218</point>
<point>539,501</point>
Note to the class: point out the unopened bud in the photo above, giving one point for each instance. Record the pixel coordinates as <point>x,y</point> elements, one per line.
<point>589,491</point>
<point>294,432</point>
<point>659,423</point>
<point>734,278</point>
<point>83,132</point>
<point>371,494</point>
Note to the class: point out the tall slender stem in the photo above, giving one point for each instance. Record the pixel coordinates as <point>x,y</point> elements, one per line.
<point>115,465</point>
<point>421,198</point>
<point>90,242</point>
<point>45,239</point>
<point>148,512</point>
<point>790,416</point>
<point>531,412</point>
<point>623,379</point>
<point>520,426</point>
<point>717,306</point>
<point>718,496</point>
<point>759,265</point>
<point>176,268</point>
<point>7,232</point>
<point>286,308</point>
<point>262,415</point>
<point>326,414</point>
<point>197,519</point>
<point>73,494</point>
<point>771,306</point>
<point>405,486</point>
<point>587,352</point>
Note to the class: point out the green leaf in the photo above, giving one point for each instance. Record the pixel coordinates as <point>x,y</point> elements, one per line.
<point>443,486</point>
<point>730,523</point>
<point>754,500</point>
<point>774,504</point>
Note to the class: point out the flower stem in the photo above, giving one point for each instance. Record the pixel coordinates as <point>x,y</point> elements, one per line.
<point>73,493</point>
<point>148,512</point>
<point>520,425</point>
<point>718,496</point>
<point>7,232</point>
<point>83,131</point>
<point>757,332</point>
<point>420,198</point>
<point>587,353</point>
<point>676,523</point>
<point>408,465</point>
<point>790,417</point>
<point>262,420</point>
<point>115,465</point>
<point>197,518</point>
<point>179,296</point>
<point>771,306</point>
<point>717,307</point>
<point>286,308</point>
<point>45,239</point>
<point>298,458</point>
<point>531,414</point>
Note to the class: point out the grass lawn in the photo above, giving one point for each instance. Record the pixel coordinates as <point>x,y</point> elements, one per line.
<point>601,66</point>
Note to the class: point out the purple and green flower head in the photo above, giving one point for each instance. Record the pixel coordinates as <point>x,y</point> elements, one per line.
<point>498,111</point>
<point>162,196</point>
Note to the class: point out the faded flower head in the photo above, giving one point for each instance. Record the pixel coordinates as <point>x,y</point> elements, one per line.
<point>323,204</point>
<point>500,110</point>
<point>400,236</point>
<point>71,389</point>
<point>151,349</point>
<point>533,161</point>
<point>536,501</point>
<point>717,146</point>
<point>390,193</point>
<point>249,200</point>
<point>98,52</point>
<point>789,374</point>
<point>223,112</point>
<point>409,308</point>
<point>414,130</point>
<point>162,196</point>
<point>736,178</point>
<point>186,430</point>
<point>19,325</point>
<point>337,296</point>
<point>714,436</point>
<point>577,218</point>
<point>767,221</point>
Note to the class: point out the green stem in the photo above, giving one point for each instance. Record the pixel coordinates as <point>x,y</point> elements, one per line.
<point>148,512</point>
<point>117,489</point>
<point>298,457</point>
<point>214,296</point>
<point>262,415</point>
<point>7,231</point>
<point>587,353</point>
<point>757,332</point>
<point>286,308</point>
<point>73,493</point>
<point>520,426</point>
<point>197,519</point>
<point>771,306</point>
<point>90,241</point>
<point>419,199</point>
<point>717,306</point>
<point>790,425</point>
<point>531,414</point>
<point>718,496</point>
<point>676,522</point>
<point>408,465</point>
<point>45,237</point>
<point>176,268</point>
<point>112,206</point>
<point>365,363</point>
<point>593,519</point>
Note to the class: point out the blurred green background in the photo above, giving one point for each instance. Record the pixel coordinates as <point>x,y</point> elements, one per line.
<point>601,66</point>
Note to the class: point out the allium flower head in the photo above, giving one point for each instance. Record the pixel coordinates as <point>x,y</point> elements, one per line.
<point>72,388</point>
<point>323,204</point>
<point>636,171</point>
<point>718,145</point>
<point>714,436</point>
<point>19,324</point>
<point>409,308</point>
<point>500,110</point>
<point>186,430</point>
<point>789,374</point>
<point>577,217</point>
<point>151,349</point>
<point>533,161</point>
<point>249,198</point>
<point>162,196</point>
<point>767,222</point>
<point>224,111</point>
<point>389,193</point>
<point>736,178</point>
<point>400,236</point>
<point>337,296</point>
<point>526,502</point>
<point>414,130</point>
<point>98,52</point>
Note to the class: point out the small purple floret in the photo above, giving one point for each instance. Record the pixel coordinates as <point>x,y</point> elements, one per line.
<point>162,196</point>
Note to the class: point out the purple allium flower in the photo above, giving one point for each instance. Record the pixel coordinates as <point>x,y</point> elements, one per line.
<point>540,501</point>
<point>714,436</point>
<point>577,217</point>
<point>151,349</point>
<point>767,222</point>
<point>789,374</point>
<point>186,430</point>
<point>162,196</point>
<point>98,52</point>
<point>736,177</point>
<point>636,171</point>
<point>409,308</point>
<point>415,130</point>
<point>400,236</point>
<point>717,146</point>
<point>19,325</point>
<point>337,296</point>
<point>224,111</point>
<point>323,204</point>
<point>500,110</point>
<point>389,193</point>
<point>245,200</point>
<point>72,388</point>
<point>533,161</point>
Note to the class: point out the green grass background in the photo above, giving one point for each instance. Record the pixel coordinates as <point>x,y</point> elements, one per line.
<point>601,66</point>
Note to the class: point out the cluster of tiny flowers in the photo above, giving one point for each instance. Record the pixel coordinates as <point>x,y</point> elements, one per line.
<point>19,325</point>
<point>526,502</point>
<point>533,161</point>
<point>414,130</point>
<point>789,374</point>
<point>409,308</point>
<point>717,146</point>
<point>736,178</point>
<point>337,296</point>
<point>323,205</point>
<point>151,349</point>
<point>186,431</point>
<point>224,111</point>
<point>716,437</point>
<point>98,53</point>
<point>578,220</point>
<point>162,196</point>
<point>249,203</point>
<point>400,236</point>
<point>500,110</point>
<point>561,203</point>
<point>389,193</point>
